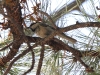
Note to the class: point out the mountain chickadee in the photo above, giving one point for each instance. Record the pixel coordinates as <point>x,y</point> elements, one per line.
<point>43,30</point>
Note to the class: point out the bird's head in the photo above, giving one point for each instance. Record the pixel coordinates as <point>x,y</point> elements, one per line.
<point>33,26</point>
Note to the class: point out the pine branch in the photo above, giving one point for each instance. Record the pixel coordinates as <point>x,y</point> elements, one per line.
<point>67,8</point>
<point>15,59</point>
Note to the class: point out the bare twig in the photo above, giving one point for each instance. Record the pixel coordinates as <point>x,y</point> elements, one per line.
<point>80,25</point>
<point>28,15</point>
<point>33,62</point>
<point>6,46</point>
<point>40,61</point>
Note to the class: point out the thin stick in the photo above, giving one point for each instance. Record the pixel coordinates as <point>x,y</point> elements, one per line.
<point>40,61</point>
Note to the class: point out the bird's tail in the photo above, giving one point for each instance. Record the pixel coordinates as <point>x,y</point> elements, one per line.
<point>67,38</point>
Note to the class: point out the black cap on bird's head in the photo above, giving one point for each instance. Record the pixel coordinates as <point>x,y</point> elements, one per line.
<point>33,26</point>
<point>34,23</point>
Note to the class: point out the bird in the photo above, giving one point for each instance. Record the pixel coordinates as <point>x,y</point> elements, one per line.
<point>43,30</point>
